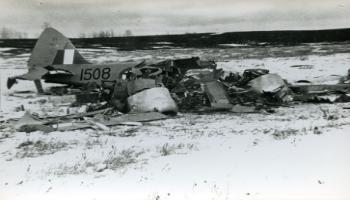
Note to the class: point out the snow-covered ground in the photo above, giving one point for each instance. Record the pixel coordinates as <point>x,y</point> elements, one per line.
<point>299,152</point>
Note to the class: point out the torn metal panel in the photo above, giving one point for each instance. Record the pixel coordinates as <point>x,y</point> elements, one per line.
<point>131,119</point>
<point>140,84</point>
<point>343,98</point>
<point>23,94</point>
<point>62,100</point>
<point>244,109</point>
<point>156,99</point>
<point>98,125</point>
<point>231,78</point>
<point>250,74</point>
<point>204,75</point>
<point>267,83</point>
<point>58,91</point>
<point>88,97</point>
<point>189,94</point>
<point>312,99</point>
<point>28,128</point>
<point>27,118</point>
<point>29,123</point>
<point>131,123</point>
<point>217,95</point>
<point>71,126</point>
<point>183,64</point>
<point>146,72</point>
<point>54,119</point>
<point>134,117</point>
<point>272,85</point>
<point>319,89</point>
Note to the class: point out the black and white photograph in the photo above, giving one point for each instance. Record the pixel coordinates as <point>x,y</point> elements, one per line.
<point>174,100</point>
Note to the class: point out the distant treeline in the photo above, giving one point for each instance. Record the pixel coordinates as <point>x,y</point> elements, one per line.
<point>200,39</point>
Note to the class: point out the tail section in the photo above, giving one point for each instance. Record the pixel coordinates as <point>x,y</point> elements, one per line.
<point>51,48</point>
<point>54,48</point>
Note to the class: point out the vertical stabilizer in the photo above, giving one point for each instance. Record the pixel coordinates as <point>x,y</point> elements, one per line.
<point>54,48</point>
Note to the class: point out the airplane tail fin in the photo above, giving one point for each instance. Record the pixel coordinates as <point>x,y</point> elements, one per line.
<point>52,48</point>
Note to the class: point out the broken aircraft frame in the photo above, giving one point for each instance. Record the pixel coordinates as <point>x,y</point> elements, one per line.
<point>56,60</point>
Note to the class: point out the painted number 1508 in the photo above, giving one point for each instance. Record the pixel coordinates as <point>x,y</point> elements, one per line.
<point>96,73</point>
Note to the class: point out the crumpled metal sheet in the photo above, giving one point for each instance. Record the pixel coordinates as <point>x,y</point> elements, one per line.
<point>267,83</point>
<point>244,109</point>
<point>28,123</point>
<point>217,95</point>
<point>134,117</point>
<point>271,84</point>
<point>250,74</point>
<point>140,84</point>
<point>27,119</point>
<point>155,99</point>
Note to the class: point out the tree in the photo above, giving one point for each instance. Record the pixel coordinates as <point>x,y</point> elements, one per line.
<point>5,33</point>
<point>111,33</point>
<point>128,33</point>
<point>103,34</point>
<point>82,35</point>
<point>24,35</point>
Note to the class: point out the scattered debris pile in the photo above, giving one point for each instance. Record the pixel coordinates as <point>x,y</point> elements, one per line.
<point>157,90</point>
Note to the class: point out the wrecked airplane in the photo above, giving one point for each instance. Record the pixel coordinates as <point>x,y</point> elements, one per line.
<point>56,60</point>
<point>167,86</point>
<point>163,86</point>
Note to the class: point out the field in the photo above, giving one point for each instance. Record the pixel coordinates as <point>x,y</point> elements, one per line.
<point>298,152</point>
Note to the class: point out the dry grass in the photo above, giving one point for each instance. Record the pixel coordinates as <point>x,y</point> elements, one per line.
<point>181,148</point>
<point>38,148</point>
<point>283,134</point>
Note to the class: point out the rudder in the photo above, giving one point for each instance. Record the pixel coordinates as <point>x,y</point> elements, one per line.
<point>53,47</point>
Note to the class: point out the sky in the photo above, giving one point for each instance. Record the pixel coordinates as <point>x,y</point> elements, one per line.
<point>146,17</point>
